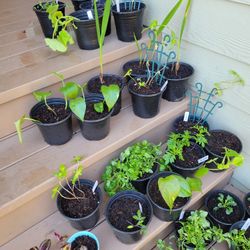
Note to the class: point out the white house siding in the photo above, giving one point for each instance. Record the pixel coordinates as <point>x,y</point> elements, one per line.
<point>217,39</point>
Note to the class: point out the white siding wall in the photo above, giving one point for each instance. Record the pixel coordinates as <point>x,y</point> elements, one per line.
<point>217,39</point>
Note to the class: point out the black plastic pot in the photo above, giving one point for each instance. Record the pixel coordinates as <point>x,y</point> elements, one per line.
<point>188,172</point>
<point>162,213</point>
<point>245,204</point>
<point>88,5</point>
<point>77,4</point>
<point>141,184</point>
<point>217,221</point>
<point>95,130</point>
<point>129,23</point>
<point>128,237</point>
<point>88,221</point>
<point>44,20</point>
<point>106,78</point>
<point>145,106</point>
<point>54,133</point>
<point>177,88</point>
<point>86,30</point>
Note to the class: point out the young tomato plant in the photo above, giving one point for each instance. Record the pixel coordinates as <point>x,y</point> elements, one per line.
<point>227,203</point>
<point>139,222</point>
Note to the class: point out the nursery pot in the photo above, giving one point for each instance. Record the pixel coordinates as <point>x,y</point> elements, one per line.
<point>160,212</point>
<point>95,130</point>
<point>141,184</point>
<point>88,221</point>
<point>77,4</point>
<point>177,85</point>
<point>73,237</point>
<point>86,29</point>
<point>94,86</point>
<point>217,219</point>
<point>145,106</point>
<point>129,23</point>
<point>128,237</point>
<point>247,205</point>
<point>57,133</point>
<point>44,20</point>
<point>88,5</point>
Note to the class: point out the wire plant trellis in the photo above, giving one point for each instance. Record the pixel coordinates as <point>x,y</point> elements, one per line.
<point>201,104</point>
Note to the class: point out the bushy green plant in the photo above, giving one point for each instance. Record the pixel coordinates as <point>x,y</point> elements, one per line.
<point>225,202</point>
<point>134,162</point>
<point>239,240</point>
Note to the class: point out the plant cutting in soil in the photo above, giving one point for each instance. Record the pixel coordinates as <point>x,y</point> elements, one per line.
<point>136,162</point>
<point>225,202</point>
<point>139,222</point>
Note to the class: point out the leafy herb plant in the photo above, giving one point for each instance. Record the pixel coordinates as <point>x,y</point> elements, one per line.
<point>239,240</point>
<point>225,202</point>
<point>140,220</point>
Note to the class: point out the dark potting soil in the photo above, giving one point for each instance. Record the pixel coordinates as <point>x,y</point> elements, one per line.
<point>86,241</point>
<point>153,88</point>
<point>156,196</point>
<point>183,72</point>
<point>78,208</point>
<point>217,140</point>
<point>122,211</point>
<point>139,68</point>
<point>191,155</point>
<point>181,126</point>
<point>46,116</point>
<point>91,114</point>
<point>221,215</point>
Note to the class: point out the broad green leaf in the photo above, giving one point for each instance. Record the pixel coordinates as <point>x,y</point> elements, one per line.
<point>170,189</point>
<point>51,9</point>
<point>185,190</point>
<point>64,37</point>
<point>55,45</point>
<point>62,172</point>
<point>41,96</point>
<point>55,190</point>
<point>55,16</point>
<point>201,172</point>
<point>238,160</point>
<point>194,183</point>
<point>99,107</point>
<point>70,90</point>
<point>78,107</point>
<point>77,173</point>
<point>111,94</point>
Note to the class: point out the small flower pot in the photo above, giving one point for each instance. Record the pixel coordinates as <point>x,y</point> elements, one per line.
<point>177,84</point>
<point>58,132</point>
<point>98,129</point>
<point>77,4</point>
<point>88,5</point>
<point>247,204</point>
<point>125,204</point>
<point>160,208</point>
<point>94,86</point>
<point>87,221</point>
<point>219,217</point>
<point>145,105</point>
<point>44,20</point>
<point>129,22</point>
<point>86,29</point>
<point>187,168</point>
<point>73,240</point>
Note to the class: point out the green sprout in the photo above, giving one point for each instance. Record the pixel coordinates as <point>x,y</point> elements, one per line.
<point>226,203</point>
<point>140,220</point>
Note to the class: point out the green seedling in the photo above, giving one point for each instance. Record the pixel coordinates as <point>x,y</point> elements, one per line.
<point>162,245</point>
<point>45,5</point>
<point>139,222</point>
<point>225,202</point>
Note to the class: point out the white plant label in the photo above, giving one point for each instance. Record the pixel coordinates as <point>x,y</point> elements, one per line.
<point>140,207</point>
<point>56,1</point>
<point>186,116</point>
<point>164,86</point>
<point>117,2</point>
<point>94,187</point>
<point>182,214</point>
<point>246,225</point>
<point>90,15</point>
<point>203,159</point>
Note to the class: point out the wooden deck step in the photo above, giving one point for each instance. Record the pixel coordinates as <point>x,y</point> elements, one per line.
<point>157,229</point>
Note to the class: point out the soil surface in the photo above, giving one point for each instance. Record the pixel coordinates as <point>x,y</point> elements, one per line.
<point>46,116</point>
<point>191,156</point>
<point>138,69</point>
<point>86,241</point>
<point>156,196</point>
<point>221,215</point>
<point>220,139</point>
<point>122,211</point>
<point>153,88</point>
<point>181,126</point>
<point>91,114</point>
<point>183,72</point>
<point>78,208</point>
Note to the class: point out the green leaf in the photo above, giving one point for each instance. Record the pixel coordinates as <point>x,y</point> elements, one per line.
<point>111,94</point>
<point>78,107</point>
<point>201,172</point>
<point>70,90</point>
<point>130,226</point>
<point>99,107</point>
<point>77,173</point>
<point>238,160</point>
<point>64,37</point>
<point>77,159</point>
<point>105,19</point>
<point>170,189</point>
<point>55,190</point>
<point>185,190</point>
<point>41,96</point>
<point>194,183</point>
<point>55,45</point>
<point>62,172</point>
<point>19,124</point>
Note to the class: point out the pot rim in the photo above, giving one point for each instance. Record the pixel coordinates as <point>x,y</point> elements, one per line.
<point>77,20</point>
<point>61,6</point>
<point>184,78</point>
<point>114,11</point>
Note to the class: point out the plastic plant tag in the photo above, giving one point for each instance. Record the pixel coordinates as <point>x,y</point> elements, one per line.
<point>90,15</point>
<point>94,187</point>
<point>186,116</point>
<point>140,207</point>
<point>203,159</point>
<point>182,214</point>
<point>56,1</point>
<point>117,5</point>
<point>164,86</point>
<point>246,225</point>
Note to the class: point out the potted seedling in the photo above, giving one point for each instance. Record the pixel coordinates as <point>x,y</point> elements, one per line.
<point>113,83</point>
<point>169,193</point>
<point>77,199</point>
<point>247,203</point>
<point>184,153</point>
<point>224,208</point>
<point>128,213</point>
<point>128,17</point>
<point>135,166</point>
<point>43,10</point>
